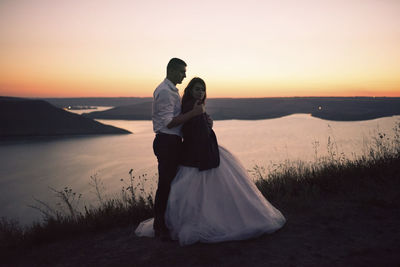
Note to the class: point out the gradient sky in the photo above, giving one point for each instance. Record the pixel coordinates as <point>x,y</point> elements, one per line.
<point>81,48</point>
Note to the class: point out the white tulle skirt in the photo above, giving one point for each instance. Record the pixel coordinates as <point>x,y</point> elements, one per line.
<point>216,205</point>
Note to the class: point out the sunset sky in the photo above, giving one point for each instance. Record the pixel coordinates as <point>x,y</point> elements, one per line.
<point>101,48</point>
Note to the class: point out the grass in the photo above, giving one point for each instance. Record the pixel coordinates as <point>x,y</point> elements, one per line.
<point>66,220</point>
<point>286,185</point>
<point>291,182</point>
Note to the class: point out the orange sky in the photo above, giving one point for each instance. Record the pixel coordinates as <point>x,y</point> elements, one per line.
<point>82,48</point>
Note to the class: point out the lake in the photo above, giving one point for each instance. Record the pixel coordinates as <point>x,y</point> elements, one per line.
<point>28,168</point>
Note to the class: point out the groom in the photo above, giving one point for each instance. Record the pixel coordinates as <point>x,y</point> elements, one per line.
<point>167,121</point>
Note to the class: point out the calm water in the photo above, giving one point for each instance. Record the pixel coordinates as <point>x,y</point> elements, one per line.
<point>29,168</point>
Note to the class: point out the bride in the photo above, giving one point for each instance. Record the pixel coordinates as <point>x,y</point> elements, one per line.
<point>212,198</point>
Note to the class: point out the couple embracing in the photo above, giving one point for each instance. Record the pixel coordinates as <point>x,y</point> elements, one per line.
<point>204,194</point>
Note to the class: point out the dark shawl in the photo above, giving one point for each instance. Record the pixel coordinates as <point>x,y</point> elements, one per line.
<point>200,146</point>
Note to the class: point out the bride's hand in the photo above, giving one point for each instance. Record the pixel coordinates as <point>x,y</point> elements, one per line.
<point>199,108</point>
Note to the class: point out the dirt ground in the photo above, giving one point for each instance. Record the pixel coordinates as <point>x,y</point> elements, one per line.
<point>336,231</point>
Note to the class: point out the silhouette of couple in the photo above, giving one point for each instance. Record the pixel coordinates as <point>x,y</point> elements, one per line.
<point>204,194</point>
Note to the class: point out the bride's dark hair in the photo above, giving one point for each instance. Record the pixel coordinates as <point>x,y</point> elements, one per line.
<point>187,99</point>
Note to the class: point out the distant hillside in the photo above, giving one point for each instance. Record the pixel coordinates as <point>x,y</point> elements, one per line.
<point>96,101</point>
<point>141,111</point>
<point>329,108</point>
<point>24,117</point>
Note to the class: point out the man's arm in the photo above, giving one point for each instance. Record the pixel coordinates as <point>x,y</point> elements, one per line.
<point>198,109</point>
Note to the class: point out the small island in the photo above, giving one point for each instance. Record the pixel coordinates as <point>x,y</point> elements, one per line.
<point>21,118</point>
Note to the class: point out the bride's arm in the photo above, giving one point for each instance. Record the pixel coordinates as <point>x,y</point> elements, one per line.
<point>182,118</point>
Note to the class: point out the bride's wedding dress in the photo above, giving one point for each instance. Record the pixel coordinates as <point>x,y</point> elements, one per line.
<point>215,205</point>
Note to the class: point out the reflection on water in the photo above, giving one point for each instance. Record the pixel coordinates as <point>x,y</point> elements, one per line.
<point>81,111</point>
<point>30,167</point>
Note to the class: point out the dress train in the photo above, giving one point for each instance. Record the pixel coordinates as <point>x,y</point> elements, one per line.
<point>216,205</point>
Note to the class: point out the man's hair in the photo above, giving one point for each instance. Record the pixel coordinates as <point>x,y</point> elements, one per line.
<point>174,63</point>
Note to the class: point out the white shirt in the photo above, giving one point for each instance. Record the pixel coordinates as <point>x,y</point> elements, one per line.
<point>166,106</point>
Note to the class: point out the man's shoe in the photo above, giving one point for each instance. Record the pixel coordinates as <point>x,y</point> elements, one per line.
<point>157,234</point>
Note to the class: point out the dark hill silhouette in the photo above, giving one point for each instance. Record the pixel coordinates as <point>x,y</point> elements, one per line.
<point>25,117</point>
<point>329,108</point>
<point>96,101</point>
<point>140,111</point>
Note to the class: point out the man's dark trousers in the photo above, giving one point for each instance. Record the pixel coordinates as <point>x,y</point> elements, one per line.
<point>167,148</point>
